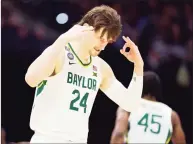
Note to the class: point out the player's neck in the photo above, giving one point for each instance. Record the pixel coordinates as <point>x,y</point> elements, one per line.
<point>81,50</point>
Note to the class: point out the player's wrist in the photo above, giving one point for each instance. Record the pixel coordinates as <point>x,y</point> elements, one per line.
<point>65,37</point>
<point>138,69</point>
<point>139,62</point>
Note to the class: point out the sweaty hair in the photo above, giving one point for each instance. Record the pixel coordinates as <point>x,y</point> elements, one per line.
<point>152,85</point>
<point>103,17</point>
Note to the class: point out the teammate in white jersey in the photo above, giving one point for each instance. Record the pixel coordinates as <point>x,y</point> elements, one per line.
<point>152,122</point>
<point>69,73</point>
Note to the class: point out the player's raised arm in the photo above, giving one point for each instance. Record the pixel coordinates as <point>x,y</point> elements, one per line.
<point>127,98</point>
<point>121,127</point>
<point>47,62</point>
<point>178,136</point>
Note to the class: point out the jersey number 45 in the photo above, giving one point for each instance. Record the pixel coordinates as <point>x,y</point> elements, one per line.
<point>151,123</point>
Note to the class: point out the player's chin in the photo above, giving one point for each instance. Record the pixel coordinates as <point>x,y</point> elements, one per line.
<point>95,53</point>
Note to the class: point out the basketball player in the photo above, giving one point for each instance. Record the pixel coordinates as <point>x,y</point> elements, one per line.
<point>69,73</point>
<point>152,122</point>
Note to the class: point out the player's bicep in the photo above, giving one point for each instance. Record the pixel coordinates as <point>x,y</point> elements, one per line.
<point>122,120</point>
<point>112,88</point>
<point>178,135</point>
<point>107,76</point>
<point>59,64</point>
<point>109,82</point>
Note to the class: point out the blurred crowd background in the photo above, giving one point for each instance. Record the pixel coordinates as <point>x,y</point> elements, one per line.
<point>161,29</point>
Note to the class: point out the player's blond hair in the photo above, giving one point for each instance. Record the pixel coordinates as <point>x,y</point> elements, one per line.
<point>103,17</point>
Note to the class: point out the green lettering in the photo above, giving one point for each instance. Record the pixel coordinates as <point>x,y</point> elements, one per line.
<point>75,80</point>
<point>69,79</point>
<point>79,80</point>
<point>83,83</point>
<point>89,84</point>
<point>94,83</point>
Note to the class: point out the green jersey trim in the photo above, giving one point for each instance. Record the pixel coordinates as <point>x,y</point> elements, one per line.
<point>126,138</point>
<point>168,137</point>
<point>85,65</point>
<point>40,87</point>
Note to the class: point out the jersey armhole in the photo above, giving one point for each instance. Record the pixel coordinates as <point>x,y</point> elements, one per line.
<point>54,76</point>
<point>171,128</point>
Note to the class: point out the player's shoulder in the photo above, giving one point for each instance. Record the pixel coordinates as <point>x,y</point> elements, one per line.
<point>164,105</point>
<point>175,117</point>
<point>106,70</point>
<point>155,104</point>
<point>100,60</point>
<point>103,63</point>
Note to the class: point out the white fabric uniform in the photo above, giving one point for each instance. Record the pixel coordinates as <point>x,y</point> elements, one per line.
<point>63,103</point>
<point>151,123</point>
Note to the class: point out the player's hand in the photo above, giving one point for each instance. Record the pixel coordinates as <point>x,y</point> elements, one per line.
<point>133,55</point>
<point>78,31</point>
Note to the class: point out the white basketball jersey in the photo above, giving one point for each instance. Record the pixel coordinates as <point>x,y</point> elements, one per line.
<point>63,103</point>
<point>151,123</point>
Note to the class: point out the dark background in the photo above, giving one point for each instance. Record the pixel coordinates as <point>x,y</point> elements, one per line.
<point>161,29</point>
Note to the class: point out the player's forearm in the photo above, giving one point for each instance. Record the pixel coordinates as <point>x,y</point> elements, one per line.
<point>134,90</point>
<point>45,64</point>
<point>134,93</point>
<point>127,98</point>
<point>138,68</point>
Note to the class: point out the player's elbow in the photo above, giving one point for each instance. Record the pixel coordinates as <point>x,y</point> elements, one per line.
<point>178,137</point>
<point>178,140</point>
<point>30,80</point>
<point>130,105</point>
<point>130,108</point>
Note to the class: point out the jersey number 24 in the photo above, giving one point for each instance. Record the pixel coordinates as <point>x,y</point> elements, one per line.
<point>82,101</point>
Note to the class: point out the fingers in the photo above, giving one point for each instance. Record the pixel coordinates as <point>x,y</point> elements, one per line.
<point>84,27</point>
<point>125,39</point>
<point>124,47</point>
<point>121,51</point>
<point>87,27</point>
<point>126,54</point>
<point>128,41</point>
<point>85,24</point>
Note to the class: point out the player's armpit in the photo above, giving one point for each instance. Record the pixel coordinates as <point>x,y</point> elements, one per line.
<point>121,127</point>
<point>127,98</point>
<point>178,135</point>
